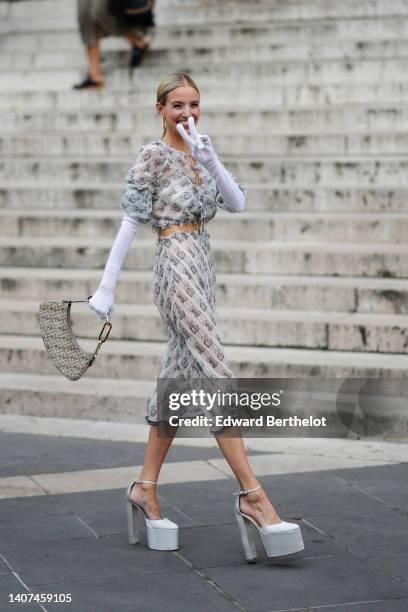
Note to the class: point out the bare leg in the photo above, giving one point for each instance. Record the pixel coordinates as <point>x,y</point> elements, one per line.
<point>156,451</point>
<point>136,41</point>
<point>94,62</point>
<point>254,504</point>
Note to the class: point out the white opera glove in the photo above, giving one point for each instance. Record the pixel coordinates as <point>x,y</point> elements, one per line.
<point>102,301</point>
<point>201,148</point>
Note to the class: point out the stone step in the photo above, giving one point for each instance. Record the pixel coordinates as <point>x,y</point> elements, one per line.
<point>127,94</point>
<point>26,50</point>
<point>108,399</point>
<point>315,73</point>
<point>83,173</point>
<point>125,90</point>
<point>210,30</point>
<point>198,11</point>
<point>144,121</point>
<point>337,331</point>
<point>262,143</point>
<point>348,59</point>
<point>261,257</point>
<point>143,360</point>
<point>365,227</point>
<point>260,197</point>
<point>347,294</point>
<point>64,35</point>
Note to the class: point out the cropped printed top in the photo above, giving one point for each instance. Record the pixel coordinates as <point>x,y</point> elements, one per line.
<point>159,188</point>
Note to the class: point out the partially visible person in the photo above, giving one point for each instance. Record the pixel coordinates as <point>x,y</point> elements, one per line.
<point>100,18</point>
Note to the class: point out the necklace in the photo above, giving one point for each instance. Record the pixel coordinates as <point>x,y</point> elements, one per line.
<point>197,178</point>
<point>192,163</point>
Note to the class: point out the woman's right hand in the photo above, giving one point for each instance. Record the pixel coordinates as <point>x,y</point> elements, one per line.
<point>102,302</point>
<point>200,145</point>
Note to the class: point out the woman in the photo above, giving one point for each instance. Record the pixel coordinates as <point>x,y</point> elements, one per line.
<point>176,184</point>
<point>95,22</point>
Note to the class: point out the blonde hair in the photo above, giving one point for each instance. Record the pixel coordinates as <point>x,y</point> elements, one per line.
<point>172,81</point>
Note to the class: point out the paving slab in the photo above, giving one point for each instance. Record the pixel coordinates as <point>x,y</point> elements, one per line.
<point>19,486</point>
<point>184,591</point>
<point>48,562</point>
<point>19,508</point>
<point>104,511</point>
<point>201,548</point>
<point>311,582</point>
<point>370,529</point>
<point>4,568</point>
<point>374,483</point>
<point>204,513</point>
<point>9,583</point>
<point>325,493</point>
<point>383,605</point>
<point>264,464</point>
<point>24,454</point>
<point>40,529</point>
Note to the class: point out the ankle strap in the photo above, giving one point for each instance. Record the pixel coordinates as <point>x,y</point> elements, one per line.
<point>147,481</point>
<point>245,491</point>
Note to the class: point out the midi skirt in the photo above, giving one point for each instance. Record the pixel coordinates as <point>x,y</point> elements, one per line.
<point>184,292</point>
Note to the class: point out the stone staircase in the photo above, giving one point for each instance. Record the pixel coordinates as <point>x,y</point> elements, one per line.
<point>305,101</point>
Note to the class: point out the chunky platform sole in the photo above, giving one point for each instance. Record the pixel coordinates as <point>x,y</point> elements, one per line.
<point>162,534</point>
<point>277,540</point>
<point>162,539</point>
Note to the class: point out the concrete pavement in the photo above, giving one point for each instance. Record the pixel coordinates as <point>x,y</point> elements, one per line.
<point>62,522</point>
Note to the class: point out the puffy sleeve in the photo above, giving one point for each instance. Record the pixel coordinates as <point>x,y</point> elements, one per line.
<point>141,183</point>
<point>219,200</point>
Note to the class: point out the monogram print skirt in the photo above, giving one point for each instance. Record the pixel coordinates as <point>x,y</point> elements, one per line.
<point>184,293</point>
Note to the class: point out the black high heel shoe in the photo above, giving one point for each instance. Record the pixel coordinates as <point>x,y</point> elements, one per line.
<point>89,83</point>
<point>136,56</point>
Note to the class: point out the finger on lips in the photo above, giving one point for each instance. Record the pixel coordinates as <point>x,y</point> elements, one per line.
<point>184,135</point>
<point>194,133</point>
<point>193,139</point>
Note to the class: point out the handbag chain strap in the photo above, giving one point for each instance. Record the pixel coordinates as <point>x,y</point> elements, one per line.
<point>102,338</point>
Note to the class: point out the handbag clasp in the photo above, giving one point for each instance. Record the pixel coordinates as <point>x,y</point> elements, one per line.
<point>102,338</point>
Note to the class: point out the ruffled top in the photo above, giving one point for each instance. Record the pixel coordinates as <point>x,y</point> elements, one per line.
<point>160,189</point>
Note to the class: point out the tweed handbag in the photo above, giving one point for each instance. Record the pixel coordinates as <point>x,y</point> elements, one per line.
<point>60,341</point>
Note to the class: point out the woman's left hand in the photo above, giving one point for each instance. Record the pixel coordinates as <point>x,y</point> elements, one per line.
<point>200,145</point>
<point>201,148</point>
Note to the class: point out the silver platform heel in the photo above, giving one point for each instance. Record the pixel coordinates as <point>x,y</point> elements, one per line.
<point>162,534</point>
<point>278,539</point>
